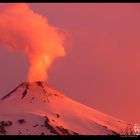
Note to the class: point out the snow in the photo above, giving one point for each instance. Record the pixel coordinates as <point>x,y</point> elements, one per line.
<point>42,100</point>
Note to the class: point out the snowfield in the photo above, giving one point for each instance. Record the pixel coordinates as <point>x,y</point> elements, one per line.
<point>37,109</point>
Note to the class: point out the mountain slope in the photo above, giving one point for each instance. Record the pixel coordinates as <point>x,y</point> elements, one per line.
<point>37,109</point>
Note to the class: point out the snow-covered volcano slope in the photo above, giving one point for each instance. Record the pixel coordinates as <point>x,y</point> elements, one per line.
<point>37,109</point>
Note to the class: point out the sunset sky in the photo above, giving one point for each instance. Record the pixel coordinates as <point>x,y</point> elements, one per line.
<point>101,67</point>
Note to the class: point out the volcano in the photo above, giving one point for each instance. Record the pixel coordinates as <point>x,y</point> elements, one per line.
<point>37,109</point>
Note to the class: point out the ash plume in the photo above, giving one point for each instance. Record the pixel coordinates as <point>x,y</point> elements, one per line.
<point>24,31</point>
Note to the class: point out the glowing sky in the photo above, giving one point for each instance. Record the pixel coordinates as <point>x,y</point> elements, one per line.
<point>102,65</point>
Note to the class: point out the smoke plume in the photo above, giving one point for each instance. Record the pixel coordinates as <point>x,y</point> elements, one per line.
<point>27,32</point>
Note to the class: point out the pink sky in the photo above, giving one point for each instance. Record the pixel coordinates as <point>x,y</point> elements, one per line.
<point>102,65</point>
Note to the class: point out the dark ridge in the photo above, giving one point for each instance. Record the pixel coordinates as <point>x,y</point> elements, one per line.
<point>35,125</point>
<point>63,130</point>
<point>66,131</point>
<point>128,130</point>
<point>75,133</point>
<point>40,84</point>
<point>46,124</point>
<point>21,121</point>
<point>4,124</point>
<point>10,123</point>
<point>57,115</point>
<point>113,132</point>
<point>25,91</point>
<point>60,128</point>
<point>47,119</point>
<point>11,92</point>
